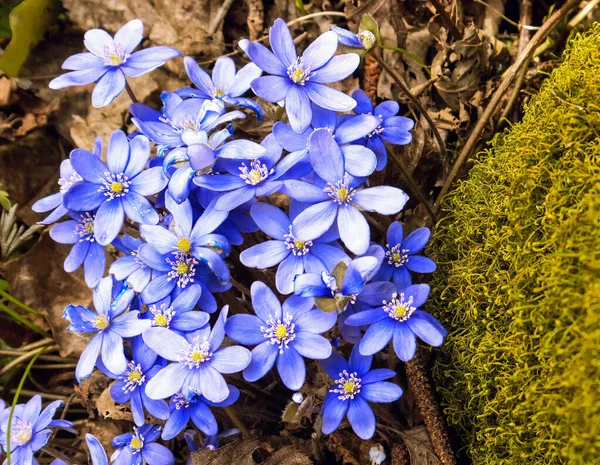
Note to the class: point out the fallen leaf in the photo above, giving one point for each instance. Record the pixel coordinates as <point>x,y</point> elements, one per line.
<point>419,447</point>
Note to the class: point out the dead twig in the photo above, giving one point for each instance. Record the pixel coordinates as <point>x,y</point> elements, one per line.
<point>448,21</point>
<point>510,77</point>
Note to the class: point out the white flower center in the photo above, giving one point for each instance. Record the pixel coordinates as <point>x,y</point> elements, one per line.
<point>85,227</point>
<point>114,185</point>
<point>65,184</point>
<point>162,315</point>
<point>256,174</point>
<point>279,332</point>
<point>299,72</point>
<point>347,386</point>
<point>396,255</point>
<point>114,55</point>
<point>340,192</point>
<point>196,353</point>
<point>22,432</point>
<point>368,39</point>
<point>181,401</point>
<point>133,377</point>
<point>183,269</point>
<point>398,308</point>
<point>297,247</point>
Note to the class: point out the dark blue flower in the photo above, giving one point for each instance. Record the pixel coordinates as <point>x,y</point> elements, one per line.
<point>197,408</point>
<point>110,61</point>
<point>225,86</point>
<point>391,129</point>
<point>355,385</point>
<point>110,326</point>
<point>86,251</point>
<point>300,80</point>
<point>282,334</point>
<point>178,315</point>
<point>339,199</point>
<point>131,384</point>
<point>399,317</point>
<point>186,134</point>
<point>293,257</point>
<point>130,268</point>
<point>247,180</point>
<point>401,256</point>
<point>29,428</point>
<point>139,447</point>
<point>117,188</point>
<point>68,177</point>
<point>358,160</point>
<point>198,361</point>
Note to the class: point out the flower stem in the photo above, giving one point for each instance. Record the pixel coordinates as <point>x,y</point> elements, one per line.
<point>18,318</point>
<point>130,93</point>
<point>16,399</point>
<point>19,304</point>
<point>236,421</point>
<point>405,89</point>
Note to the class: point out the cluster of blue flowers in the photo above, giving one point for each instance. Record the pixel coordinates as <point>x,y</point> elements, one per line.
<point>175,218</point>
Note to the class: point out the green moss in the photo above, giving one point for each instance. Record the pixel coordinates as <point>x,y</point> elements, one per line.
<point>518,285</point>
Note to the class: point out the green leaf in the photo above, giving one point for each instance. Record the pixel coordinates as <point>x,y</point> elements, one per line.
<point>5,10</point>
<point>368,23</point>
<point>29,22</point>
<point>4,200</point>
<point>300,6</point>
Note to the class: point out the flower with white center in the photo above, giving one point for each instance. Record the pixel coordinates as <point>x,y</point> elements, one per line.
<point>115,54</point>
<point>340,191</point>
<point>256,174</point>
<point>398,308</point>
<point>114,185</point>
<point>299,71</point>
<point>85,227</point>
<point>161,315</point>
<point>195,353</point>
<point>21,432</point>
<point>347,385</point>
<point>133,377</point>
<point>298,248</point>
<point>139,447</point>
<point>396,255</point>
<point>183,269</point>
<point>279,332</point>
<point>66,183</point>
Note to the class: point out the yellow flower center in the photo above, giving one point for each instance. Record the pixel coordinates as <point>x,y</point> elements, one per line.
<point>298,75</point>
<point>342,194</point>
<point>182,268</point>
<point>349,387</point>
<point>198,357</point>
<point>89,227</point>
<point>219,93</point>
<point>299,244</point>
<point>396,257</point>
<point>25,436</point>
<point>401,311</point>
<point>161,320</point>
<point>136,443</point>
<point>135,376</point>
<point>101,322</point>
<point>116,187</point>
<point>115,59</point>
<point>255,176</point>
<point>281,332</point>
<point>183,245</point>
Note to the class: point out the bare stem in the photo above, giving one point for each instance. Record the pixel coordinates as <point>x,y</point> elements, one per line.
<point>236,421</point>
<point>511,75</point>
<point>130,93</point>
<point>405,89</point>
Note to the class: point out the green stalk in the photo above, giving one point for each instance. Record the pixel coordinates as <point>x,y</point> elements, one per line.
<point>16,399</point>
<point>23,321</point>
<point>19,304</point>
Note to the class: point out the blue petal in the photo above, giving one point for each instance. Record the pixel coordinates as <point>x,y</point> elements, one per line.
<point>109,221</point>
<point>401,277</point>
<point>149,182</point>
<point>272,88</point>
<point>245,329</point>
<point>420,264</point>
<point>362,418</point>
<point>65,233</point>
<point>263,57</point>
<point>230,359</point>
<point>94,264</point>
<point>289,139</point>
<point>109,87</point>
<point>138,209</point>
<point>354,229</point>
<point>378,147</point>
<point>156,454</point>
<point>243,78</point>
<point>112,352</point>
<point>427,328</point>
<point>48,203</point>
<point>388,109</point>
<point>386,200</point>
<point>271,220</point>
<point>315,221</point>
<point>326,156</point>
<point>176,423</point>
<point>297,107</point>
<point>265,303</point>
<point>151,257</point>
<point>311,345</point>
<point>199,77</point>
<point>304,192</point>
<point>359,161</point>
<point>377,336</point>
<point>334,410</point>
<point>291,368</point>
<point>363,102</point>
<point>234,199</point>
<point>290,267</point>
<point>167,382</point>
<point>358,362</point>
<point>204,419</point>
<point>96,450</point>
<point>416,240</point>
<point>310,285</point>
<point>395,234</point>
<point>315,321</point>
<point>366,317</point>
<point>338,68</point>
<point>88,165</point>
<point>419,292</point>
<point>329,98</point>
<point>139,148</point>
<point>405,342</point>
<point>282,42</point>
<point>265,255</point>
<point>137,410</point>
<point>118,152</point>
<point>355,128</point>
<point>83,197</point>
<point>263,359</point>
<point>380,392</point>
<point>379,374</point>
<point>320,51</point>
<point>78,78</point>
<point>146,60</point>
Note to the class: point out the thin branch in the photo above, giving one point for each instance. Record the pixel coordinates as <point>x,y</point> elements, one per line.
<point>220,16</point>
<point>17,361</point>
<point>500,93</point>
<point>448,21</point>
<point>130,93</point>
<point>406,90</point>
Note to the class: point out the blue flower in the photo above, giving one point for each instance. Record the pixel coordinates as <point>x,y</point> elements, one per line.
<point>130,268</point>
<point>197,408</point>
<point>365,40</point>
<point>178,315</point>
<point>29,428</point>
<point>110,326</point>
<point>116,188</point>
<point>110,61</point>
<point>225,86</point>
<point>183,252</point>
<point>198,361</point>
<point>401,256</point>
<point>358,160</point>
<point>68,177</point>
<point>131,384</point>
<point>97,452</point>
<point>339,199</point>
<point>300,80</point>
<point>184,132</point>
<point>294,257</point>
<point>282,334</point>
<point>86,251</point>
<point>355,385</point>
<point>247,180</point>
<point>391,129</point>
<point>399,318</point>
<point>139,447</point>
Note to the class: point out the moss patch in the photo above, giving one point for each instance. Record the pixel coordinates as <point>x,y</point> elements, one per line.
<point>518,285</point>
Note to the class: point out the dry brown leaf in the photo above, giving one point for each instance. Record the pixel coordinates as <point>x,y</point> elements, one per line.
<point>419,447</point>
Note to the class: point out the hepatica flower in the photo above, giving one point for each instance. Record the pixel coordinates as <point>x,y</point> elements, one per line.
<point>391,129</point>
<point>139,447</point>
<point>109,325</point>
<point>355,384</point>
<point>110,60</point>
<point>300,80</point>
<point>293,257</point>
<point>117,188</point>
<point>225,86</point>
<point>130,268</point>
<point>359,160</point>
<point>283,335</point>
<point>339,199</point>
<point>30,429</point>
<point>97,452</point>
<point>198,361</point>
<point>178,315</point>
<point>250,179</point>
<point>130,387</point>
<point>401,256</point>
<point>400,318</point>
<point>197,408</point>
